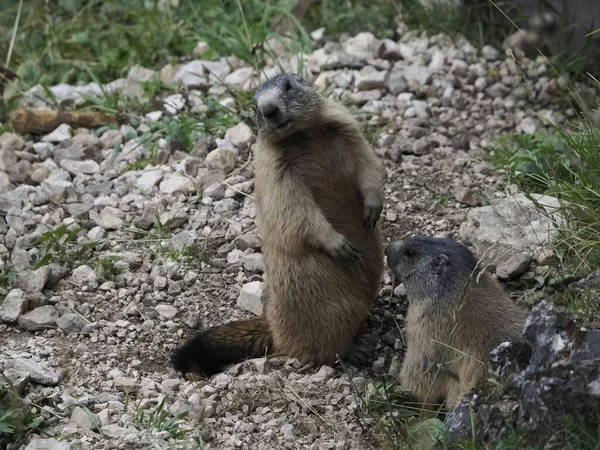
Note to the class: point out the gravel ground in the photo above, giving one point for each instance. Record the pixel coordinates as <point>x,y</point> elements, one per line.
<point>94,350</point>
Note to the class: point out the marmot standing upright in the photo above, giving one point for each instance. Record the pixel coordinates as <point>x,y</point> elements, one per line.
<point>319,195</point>
<point>457,315</point>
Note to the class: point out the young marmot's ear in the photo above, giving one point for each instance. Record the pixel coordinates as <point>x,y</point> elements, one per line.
<point>440,262</point>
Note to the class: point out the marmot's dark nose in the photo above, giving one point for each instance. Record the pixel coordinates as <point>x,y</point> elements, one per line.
<point>393,249</point>
<point>269,111</point>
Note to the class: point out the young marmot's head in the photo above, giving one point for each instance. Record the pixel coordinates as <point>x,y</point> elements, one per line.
<point>285,104</point>
<point>431,268</point>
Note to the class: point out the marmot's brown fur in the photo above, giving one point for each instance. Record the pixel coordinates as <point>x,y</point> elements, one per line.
<point>457,314</point>
<point>319,194</point>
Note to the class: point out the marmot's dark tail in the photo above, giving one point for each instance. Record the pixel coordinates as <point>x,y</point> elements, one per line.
<point>211,350</point>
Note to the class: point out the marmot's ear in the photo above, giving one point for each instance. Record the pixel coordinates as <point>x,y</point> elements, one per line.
<point>441,261</point>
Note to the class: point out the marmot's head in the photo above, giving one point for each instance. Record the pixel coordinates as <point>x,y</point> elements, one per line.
<point>431,268</point>
<point>285,104</point>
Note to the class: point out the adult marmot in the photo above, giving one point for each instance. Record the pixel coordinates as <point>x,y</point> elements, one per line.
<point>319,194</point>
<point>457,314</point>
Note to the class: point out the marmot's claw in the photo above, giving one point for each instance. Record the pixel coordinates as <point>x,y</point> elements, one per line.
<point>372,214</point>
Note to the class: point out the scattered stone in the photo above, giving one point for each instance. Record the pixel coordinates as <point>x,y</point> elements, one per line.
<point>221,159</point>
<point>71,323</point>
<point>41,318</point>
<point>39,372</point>
<point>14,304</point>
<point>166,311</point>
<point>250,297</point>
<point>34,281</point>
<point>61,134</point>
<point>241,135</point>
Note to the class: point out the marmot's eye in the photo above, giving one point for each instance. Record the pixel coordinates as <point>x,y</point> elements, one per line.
<point>288,86</point>
<point>410,253</point>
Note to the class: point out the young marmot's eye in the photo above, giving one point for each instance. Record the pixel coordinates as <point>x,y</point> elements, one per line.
<point>409,252</point>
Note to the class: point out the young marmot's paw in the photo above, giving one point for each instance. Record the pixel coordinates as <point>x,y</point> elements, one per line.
<point>340,247</point>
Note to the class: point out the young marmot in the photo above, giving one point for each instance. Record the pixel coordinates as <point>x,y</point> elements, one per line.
<point>319,194</point>
<point>457,314</point>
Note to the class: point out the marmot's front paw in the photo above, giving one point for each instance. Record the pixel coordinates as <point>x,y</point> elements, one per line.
<point>340,247</point>
<point>372,213</point>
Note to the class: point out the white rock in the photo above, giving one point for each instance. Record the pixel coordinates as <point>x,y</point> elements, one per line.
<point>38,371</point>
<point>71,323</point>
<point>166,311</point>
<point>253,262</point>
<point>14,304</point>
<point>140,74</point>
<point>110,218</point>
<point>221,159</point>
<point>369,78</point>
<point>249,298</point>
<point>88,166</point>
<point>241,135</point>
<point>83,418</point>
<point>192,73</point>
<point>360,46</point>
<point>40,318</point>
<point>154,116</point>
<point>174,103</point>
<point>148,180</point>
<point>114,431</point>
<point>174,183</point>
<point>62,133</point>
<point>48,444</point>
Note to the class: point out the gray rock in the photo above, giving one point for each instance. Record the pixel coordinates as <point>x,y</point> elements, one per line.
<point>114,431</point>
<point>388,49</point>
<point>253,262</point>
<point>84,418</point>
<point>60,134</point>
<point>110,218</point>
<point>175,183</point>
<point>246,241</point>
<point>39,372</point>
<point>41,318</point>
<point>241,135</point>
<point>216,191</point>
<point>221,159</point>
<point>166,311</point>
<point>511,225</point>
<point>8,158</point>
<point>21,172</point>
<point>148,179</point>
<point>225,205</point>
<point>11,141</point>
<point>48,444</point>
<point>127,385</point>
<point>249,298</point>
<point>369,78</point>
<point>396,83</point>
<point>14,304</point>
<point>466,196</point>
<point>34,281</point>
<point>88,167</point>
<point>84,275</point>
<point>9,200</point>
<point>110,138</point>
<point>18,379</point>
<point>71,323</point>
<point>417,73</point>
<point>514,266</point>
<point>489,53</point>
<point>361,46</point>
